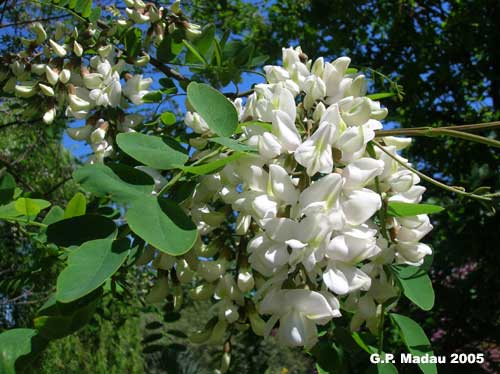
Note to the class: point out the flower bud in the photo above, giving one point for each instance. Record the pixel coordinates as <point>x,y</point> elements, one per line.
<point>193,31</point>
<point>52,76</point>
<point>184,273</point>
<point>39,31</point>
<point>226,361</point>
<point>38,69</point>
<point>211,270</point>
<point>142,61</point>
<point>77,48</point>
<point>245,281</point>
<point>25,91</point>
<point>105,51</point>
<point>58,49</point>
<point>129,3</point>
<point>65,76</point>
<point>49,116</point>
<point>47,90</point>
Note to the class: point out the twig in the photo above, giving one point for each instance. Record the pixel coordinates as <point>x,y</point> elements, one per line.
<point>432,180</point>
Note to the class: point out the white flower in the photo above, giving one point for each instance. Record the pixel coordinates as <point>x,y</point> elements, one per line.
<point>197,123</point>
<point>343,278</point>
<point>298,312</point>
<point>136,88</point>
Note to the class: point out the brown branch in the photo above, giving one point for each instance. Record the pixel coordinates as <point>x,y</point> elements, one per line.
<point>35,20</point>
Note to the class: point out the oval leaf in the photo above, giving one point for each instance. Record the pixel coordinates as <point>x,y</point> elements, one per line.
<point>77,206</point>
<point>81,229</point>
<point>30,207</point>
<point>89,267</point>
<point>416,284</point>
<point>399,209</point>
<point>415,340</point>
<point>103,181</point>
<point>14,344</point>
<point>217,111</point>
<point>165,226</point>
<point>7,188</point>
<point>151,150</point>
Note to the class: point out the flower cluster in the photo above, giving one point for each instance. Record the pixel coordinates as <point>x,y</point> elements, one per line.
<point>313,239</point>
<point>58,77</point>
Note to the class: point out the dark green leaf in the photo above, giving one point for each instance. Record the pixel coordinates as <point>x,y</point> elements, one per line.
<point>133,40</point>
<point>80,229</point>
<point>415,340</point>
<point>150,150</point>
<point>102,181</point>
<point>152,97</point>
<point>7,188</point>
<point>55,214</point>
<point>89,267</point>
<point>399,209</point>
<point>219,114</point>
<point>416,285</point>
<point>165,226</point>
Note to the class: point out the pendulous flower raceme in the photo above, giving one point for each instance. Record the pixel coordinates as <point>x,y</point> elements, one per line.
<point>312,241</point>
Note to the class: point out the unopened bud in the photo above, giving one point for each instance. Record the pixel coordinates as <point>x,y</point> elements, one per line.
<point>65,76</point>
<point>159,291</point>
<point>49,116</point>
<point>77,48</point>
<point>47,90</point>
<point>58,49</point>
<point>52,75</point>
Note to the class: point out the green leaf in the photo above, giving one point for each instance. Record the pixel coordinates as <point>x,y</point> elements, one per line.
<point>213,166</point>
<point>89,267</point>
<point>386,368</point>
<point>194,52</point>
<point>55,214</point>
<point>7,188</point>
<point>217,111</point>
<point>168,118</point>
<point>381,95</point>
<point>150,150</point>
<point>399,209</point>
<point>233,144</point>
<point>416,285</point>
<point>102,181</point>
<point>56,320</point>
<point>165,226</point>
<point>9,211</point>
<point>14,344</point>
<point>133,40</point>
<point>152,97</point>
<point>77,206</point>
<point>415,340</point>
<point>30,207</point>
<point>80,229</point>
